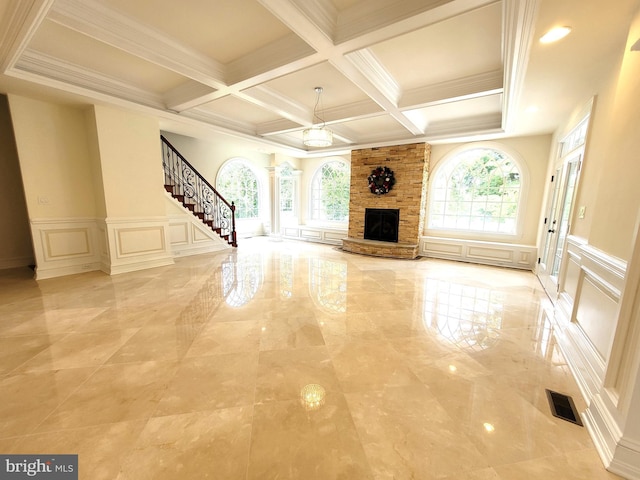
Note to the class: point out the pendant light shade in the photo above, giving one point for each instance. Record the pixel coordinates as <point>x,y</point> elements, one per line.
<point>317,136</point>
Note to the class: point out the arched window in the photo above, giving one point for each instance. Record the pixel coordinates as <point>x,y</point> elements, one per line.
<point>330,192</point>
<point>476,190</point>
<point>237,183</point>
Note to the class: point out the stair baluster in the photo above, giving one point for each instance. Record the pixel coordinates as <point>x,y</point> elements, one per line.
<point>191,189</point>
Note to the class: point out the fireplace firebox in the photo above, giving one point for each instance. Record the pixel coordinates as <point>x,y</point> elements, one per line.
<point>381,224</point>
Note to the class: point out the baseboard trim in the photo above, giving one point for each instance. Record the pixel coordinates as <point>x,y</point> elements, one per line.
<point>46,273</point>
<point>138,265</point>
<point>16,262</point>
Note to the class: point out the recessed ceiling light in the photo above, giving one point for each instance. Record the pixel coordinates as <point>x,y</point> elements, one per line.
<point>532,109</point>
<point>555,34</point>
<point>489,427</point>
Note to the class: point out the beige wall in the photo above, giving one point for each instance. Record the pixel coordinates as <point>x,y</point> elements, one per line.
<point>208,157</point>
<point>15,238</point>
<point>131,163</point>
<point>53,150</point>
<point>615,151</point>
<point>94,159</point>
<point>533,152</point>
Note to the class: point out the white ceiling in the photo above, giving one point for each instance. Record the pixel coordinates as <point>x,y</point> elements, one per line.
<point>393,71</point>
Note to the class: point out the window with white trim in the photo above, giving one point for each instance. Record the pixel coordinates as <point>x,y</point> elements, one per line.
<point>287,191</point>
<point>237,183</point>
<point>476,190</point>
<point>330,192</point>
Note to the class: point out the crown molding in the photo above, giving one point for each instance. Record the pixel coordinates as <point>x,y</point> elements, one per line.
<point>373,21</point>
<point>52,72</point>
<point>322,13</point>
<point>217,120</point>
<point>123,32</point>
<point>280,53</point>
<point>369,65</point>
<point>21,23</point>
<point>274,101</point>
<point>482,84</point>
<point>188,95</point>
<point>479,124</point>
<point>518,18</point>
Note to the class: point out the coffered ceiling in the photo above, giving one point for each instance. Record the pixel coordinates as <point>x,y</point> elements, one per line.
<point>393,71</point>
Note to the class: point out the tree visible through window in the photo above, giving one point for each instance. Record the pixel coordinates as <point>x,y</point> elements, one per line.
<point>237,183</point>
<point>330,192</point>
<point>286,191</point>
<point>476,190</point>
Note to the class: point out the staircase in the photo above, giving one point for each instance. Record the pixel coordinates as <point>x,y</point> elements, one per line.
<point>186,185</point>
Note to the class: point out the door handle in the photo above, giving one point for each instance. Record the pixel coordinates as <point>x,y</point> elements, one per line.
<point>552,231</point>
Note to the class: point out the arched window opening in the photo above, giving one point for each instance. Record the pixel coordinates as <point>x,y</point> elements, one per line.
<point>330,192</point>
<point>237,183</point>
<point>476,190</point>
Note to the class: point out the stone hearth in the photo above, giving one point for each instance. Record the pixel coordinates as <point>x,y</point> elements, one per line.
<point>410,164</point>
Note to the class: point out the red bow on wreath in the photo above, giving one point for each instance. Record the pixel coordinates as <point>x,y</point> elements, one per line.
<point>381,180</point>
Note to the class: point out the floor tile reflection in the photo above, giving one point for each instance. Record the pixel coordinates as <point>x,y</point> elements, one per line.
<point>289,360</point>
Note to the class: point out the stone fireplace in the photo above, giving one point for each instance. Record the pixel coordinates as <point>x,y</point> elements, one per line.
<point>373,218</point>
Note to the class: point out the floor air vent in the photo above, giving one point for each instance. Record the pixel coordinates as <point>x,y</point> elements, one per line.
<point>562,407</point>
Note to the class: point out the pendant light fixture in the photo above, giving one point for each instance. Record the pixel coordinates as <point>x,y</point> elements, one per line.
<point>317,136</point>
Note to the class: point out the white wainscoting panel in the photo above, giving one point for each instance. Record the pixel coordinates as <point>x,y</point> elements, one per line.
<point>483,252</point>
<point>140,240</point>
<point>586,317</point>
<point>137,243</point>
<point>178,231</point>
<point>318,234</point>
<point>188,235</point>
<point>65,246</point>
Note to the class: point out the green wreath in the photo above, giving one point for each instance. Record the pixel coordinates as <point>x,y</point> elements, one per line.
<point>381,180</point>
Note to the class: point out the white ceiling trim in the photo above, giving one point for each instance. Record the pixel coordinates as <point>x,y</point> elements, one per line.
<point>190,94</point>
<point>49,68</point>
<point>518,18</point>
<point>219,121</point>
<point>476,125</point>
<point>21,23</point>
<point>480,85</point>
<point>373,21</point>
<point>120,31</point>
<point>270,99</point>
<point>366,61</point>
<point>353,73</point>
<point>279,53</point>
<point>342,113</point>
<point>322,13</point>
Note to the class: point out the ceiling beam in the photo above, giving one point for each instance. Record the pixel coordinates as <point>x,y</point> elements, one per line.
<point>518,17</point>
<point>21,21</point>
<point>124,33</point>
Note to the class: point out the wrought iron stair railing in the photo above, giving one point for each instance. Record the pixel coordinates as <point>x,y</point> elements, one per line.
<point>191,189</point>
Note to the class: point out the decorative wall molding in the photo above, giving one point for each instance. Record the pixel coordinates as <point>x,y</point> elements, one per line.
<point>586,317</point>
<point>188,235</point>
<point>137,244</point>
<point>65,246</point>
<point>319,234</point>
<point>482,252</point>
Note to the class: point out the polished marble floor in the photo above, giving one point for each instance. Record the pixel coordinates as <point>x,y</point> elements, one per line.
<point>289,360</point>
